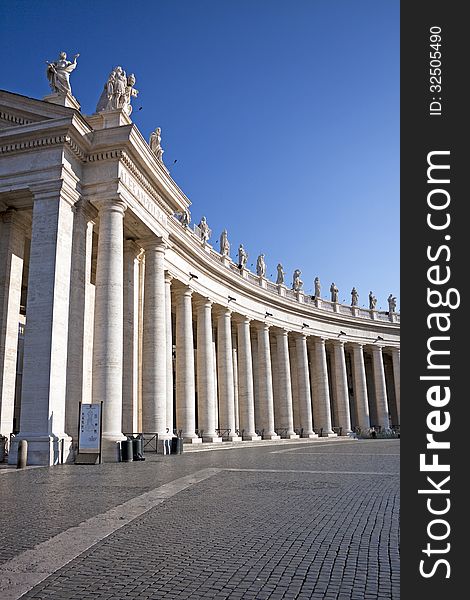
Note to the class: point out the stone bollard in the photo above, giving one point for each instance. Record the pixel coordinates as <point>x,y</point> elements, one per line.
<point>22,454</point>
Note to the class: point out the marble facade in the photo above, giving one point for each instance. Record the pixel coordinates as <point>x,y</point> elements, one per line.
<point>116,300</point>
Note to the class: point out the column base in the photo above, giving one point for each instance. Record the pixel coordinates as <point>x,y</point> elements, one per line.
<point>309,435</point>
<point>233,438</point>
<point>328,434</point>
<point>47,450</point>
<point>213,439</point>
<point>251,437</point>
<point>273,436</point>
<point>110,448</point>
<point>192,440</point>
<point>292,436</point>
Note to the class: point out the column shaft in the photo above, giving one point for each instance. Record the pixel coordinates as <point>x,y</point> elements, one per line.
<point>320,389</point>
<point>205,372</point>
<point>108,325</point>
<point>154,363</point>
<point>12,240</point>
<point>286,416</point>
<point>340,385</point>
<point>305,399</point>
<point>360,387</point>
<point>225,374</point>
<point>245,382</point>
<point>130,355</point>
<point>185,390</point>
<point>265,384</point>
<point>235,380</point>
<point>396,378</point>
<point>169,355</point>
<point>46,332</point>
<point>380,387</point>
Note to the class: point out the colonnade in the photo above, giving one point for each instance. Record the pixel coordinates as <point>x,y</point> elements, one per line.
<point>165,356</point>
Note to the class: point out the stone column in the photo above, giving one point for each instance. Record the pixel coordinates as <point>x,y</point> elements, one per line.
<point>305,399</point>
<point>205,372</point>
<point>396,377</point>
<point>380,387</point>
<point>225,364</point>
<point>340,386</point>
<point>169,354</point>
<point>12,241</point>
<point>360,386</point>
<point>265,383</point>
<point>185,389</point>
<point>82,242</point>
<point>235,378</point>
<point>130,355</point>
<point>320,389</point>
<point>154,363</point>
<point>294,372</point>
<point>286,416</point>
<point>47,317</point>
<point>108,326</point>
<point>245,381</point>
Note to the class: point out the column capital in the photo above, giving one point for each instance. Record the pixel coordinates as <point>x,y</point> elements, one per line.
<point>241,319</point>
<point>336,342</point>
<point>153,242</point>
<point>182,289</point>
<point>281,331</point>
<point>51,190</point>
<point>112,204</point>
<point>132,247</point>
<point>261,325</point>
<point>202,302</point>
<point>300,335</point>
<point>168,277</point>
<point>221,311</point>
<point>85,208</point>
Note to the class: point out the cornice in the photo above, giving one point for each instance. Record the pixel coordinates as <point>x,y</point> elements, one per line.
<point>16,119</point>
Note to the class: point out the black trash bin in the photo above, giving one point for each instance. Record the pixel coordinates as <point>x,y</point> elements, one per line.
<point>138,448</point>
<point>177,445</point>
<point>126,451</point>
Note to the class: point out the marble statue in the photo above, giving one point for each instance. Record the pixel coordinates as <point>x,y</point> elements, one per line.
<point>224,243</point>
<point>297,283</point>
<point>118,92</point>
<point>204,230</point>
<point>317,287</point>
<point>334,292</point>
<point>242,257</point>
<point>392,303</point>
<point>280,275</point>
<point>354,297</point>
<point>261,266</point>
<point>372,301</point>
<point>155,143</point>
<point>185,218</point>
<point>58,74</point>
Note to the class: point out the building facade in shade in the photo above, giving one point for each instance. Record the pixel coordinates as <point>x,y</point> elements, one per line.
<point>109,294</point>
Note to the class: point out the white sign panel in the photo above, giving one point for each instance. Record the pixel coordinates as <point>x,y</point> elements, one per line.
<point>90,428</point>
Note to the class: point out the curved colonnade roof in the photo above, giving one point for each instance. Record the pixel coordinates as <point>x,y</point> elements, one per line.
<point>105,157</point>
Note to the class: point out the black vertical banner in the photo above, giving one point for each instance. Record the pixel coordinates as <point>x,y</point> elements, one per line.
<point>435,255</point>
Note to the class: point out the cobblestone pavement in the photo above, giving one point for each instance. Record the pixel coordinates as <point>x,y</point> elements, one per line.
<point>315,519</point>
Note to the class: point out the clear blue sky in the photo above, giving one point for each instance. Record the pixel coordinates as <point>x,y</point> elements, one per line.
<point>283,116</point>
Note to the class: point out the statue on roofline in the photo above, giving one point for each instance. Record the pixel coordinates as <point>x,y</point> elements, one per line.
<point>118,92</point>
<point>58,74</point>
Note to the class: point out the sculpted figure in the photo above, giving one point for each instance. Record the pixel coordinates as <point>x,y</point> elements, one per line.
<point>392,303</point>
<point>118,92</point>
<point>317,287</point>
<point>334,292</point>
<point>354,297</point>
<point>224,244</point>
<point>242,257</point>
<point>155,143</point>
<point>297,283</point>
<point>280,274</point>
<point>204,230</point>
<point>58,74</point>
<point>260,266</point>
<point>372,301</point>
<point>185,218</point>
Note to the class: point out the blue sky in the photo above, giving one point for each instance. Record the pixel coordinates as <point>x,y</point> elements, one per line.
<point>283,117</point>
